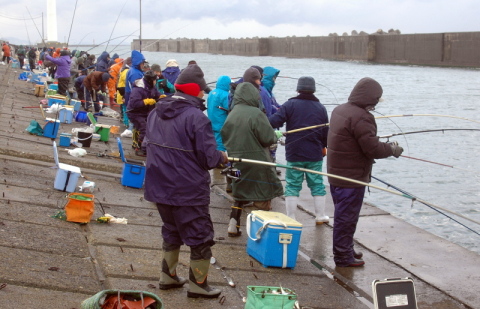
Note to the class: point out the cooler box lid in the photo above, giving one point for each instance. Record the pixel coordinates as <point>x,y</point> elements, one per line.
<point>55,154</point>
<point>273,217</point>
<point>120,149</point>
<point>92,118</point>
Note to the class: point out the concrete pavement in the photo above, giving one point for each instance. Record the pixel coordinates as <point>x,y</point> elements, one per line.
<point>50,263</point>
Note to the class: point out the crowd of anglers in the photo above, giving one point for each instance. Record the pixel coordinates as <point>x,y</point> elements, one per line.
<point>164,113</point>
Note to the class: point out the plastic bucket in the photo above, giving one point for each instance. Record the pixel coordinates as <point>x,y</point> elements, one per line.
<point>81,116</point>
<point>85,138</point>
<point>104,131</point>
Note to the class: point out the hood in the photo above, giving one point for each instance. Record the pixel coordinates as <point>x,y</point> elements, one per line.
<point>367,92</point>
<point>137,58</point>
<point>66,58</point>
<point>171,63</point>
<point>223,83</point>
<point>115,56</point>
<point>103,56</point>
<point>171,70</point>
<point>269,76</point>
<point>246,94</point>
<point>173,106</point>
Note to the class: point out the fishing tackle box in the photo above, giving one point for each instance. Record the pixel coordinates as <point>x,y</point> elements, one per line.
<point>67,175</point>
<point>398,293</point>
<point>56,99</point>
<point>273,238</point>
<point>133,171</point>
<point>50,129</point>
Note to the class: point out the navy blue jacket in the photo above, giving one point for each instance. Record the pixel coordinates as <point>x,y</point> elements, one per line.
<point>142,91</point>
<point>181,149</point>
<point>102,62</point>
<point>305,110</point>
<point>171,74</point>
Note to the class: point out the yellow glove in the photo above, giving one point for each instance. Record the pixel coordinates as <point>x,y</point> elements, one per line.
<point>162,96</point>
<point>149,101</point>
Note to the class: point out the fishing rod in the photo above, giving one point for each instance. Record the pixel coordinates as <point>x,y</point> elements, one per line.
<point>123,41</point>
<point>168,35</point>
<point>230,78</point>
<point>118,37</point>
<point>118,17</point>
<point>82,39</point>
<point>71,25</point>
<point>435,207</point>
<point>399,193</point>
<point>427,115</point>
<point>43,41</point>
<point>442,164</point>
<point>426,131</point>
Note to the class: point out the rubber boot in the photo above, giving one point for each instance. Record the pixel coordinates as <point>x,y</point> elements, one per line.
<point>198,286</point>
<point>234,223</point>
<point>291,205</point>
<point>168,276</point>
<point>319,204</point>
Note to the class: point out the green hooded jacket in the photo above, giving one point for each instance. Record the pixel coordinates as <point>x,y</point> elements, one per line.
<point>248,134</point>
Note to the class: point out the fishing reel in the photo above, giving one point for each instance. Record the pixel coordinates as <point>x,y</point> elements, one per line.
<point>231,172</point>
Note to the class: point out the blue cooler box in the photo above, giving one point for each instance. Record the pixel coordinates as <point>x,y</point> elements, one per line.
<point>65,139</point>
<point>76,104</point>
<point>53,87</point>
<point>56,100</point>
<point>51,127</point>
<point>273,238</point>
<point>65,115</point>
<point>133,171</point>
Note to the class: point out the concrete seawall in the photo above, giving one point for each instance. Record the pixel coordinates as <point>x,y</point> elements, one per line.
<point>435,49</point>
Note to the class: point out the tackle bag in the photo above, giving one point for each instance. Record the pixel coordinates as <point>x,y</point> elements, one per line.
<point>79,207</point>
<point>267,297</point>
<point>35,128</point>
<point>113,299</point>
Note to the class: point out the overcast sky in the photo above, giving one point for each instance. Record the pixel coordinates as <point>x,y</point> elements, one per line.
<point>95,20</point>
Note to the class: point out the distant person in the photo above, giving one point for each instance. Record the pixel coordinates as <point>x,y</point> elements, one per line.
<point>102,62</point>
<point>163,85</point>
<point>32,57</point>
<point>171,71</point>
<point>95,85</point>
<point>353,145</point>
<point>21,56</point>
<point>248,134</point>
<point>304,149</point>
<point>142,101</point>
<point>62,73</point>
<point>6,53</point>
<point>179,139</point>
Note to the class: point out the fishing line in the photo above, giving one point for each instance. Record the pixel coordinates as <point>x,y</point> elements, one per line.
<point>82,39</point>
<point>123,41</point>
<point>406,142</point>
<point>28,36</point>
<point>118,37</point>
<point>118,17</point>
<point>426,131</point>
<point>71,25</point>
<point>434,207</point>
<point>426,115</point>
<point>168,34</point>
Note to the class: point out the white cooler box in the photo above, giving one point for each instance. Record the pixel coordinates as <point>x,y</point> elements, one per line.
<point>273,238</point>
<point>67,175</point>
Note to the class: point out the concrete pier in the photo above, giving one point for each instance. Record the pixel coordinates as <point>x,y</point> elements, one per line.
<point>50,263</point>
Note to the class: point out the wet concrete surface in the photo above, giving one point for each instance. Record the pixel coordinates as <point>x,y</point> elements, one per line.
<point>50,263</point>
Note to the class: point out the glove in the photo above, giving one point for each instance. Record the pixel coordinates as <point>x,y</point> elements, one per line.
<point>149,101</point>
<point>162,96</point>
<point>324,151</point>
<point>397,150</point>
<point>279,134</point>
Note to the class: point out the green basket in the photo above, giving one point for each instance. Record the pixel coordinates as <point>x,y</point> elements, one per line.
<point>268,297</point>
<point>94,301</point>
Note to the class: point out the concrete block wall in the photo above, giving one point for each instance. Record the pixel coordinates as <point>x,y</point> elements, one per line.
<point>437,49</point>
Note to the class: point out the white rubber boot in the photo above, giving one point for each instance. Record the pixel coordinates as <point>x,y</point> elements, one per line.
<point>319,204</point>
<point>291,205</point>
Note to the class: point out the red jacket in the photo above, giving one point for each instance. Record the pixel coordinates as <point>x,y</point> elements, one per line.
<point>6,50</point>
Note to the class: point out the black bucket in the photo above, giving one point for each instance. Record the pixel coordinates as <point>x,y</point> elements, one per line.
<point>85,138</point>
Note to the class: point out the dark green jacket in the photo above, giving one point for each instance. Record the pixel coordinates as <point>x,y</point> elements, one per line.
<point>248,134</point>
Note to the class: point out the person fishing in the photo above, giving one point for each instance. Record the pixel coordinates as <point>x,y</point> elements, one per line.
<point>142,101</point>
<point>353,145</point>
<point>179,139</point>
<point>248,134</point>
<point>62,73</point>
<point>95,85</point>
<point>304,149</point>
<point>163,85</point>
